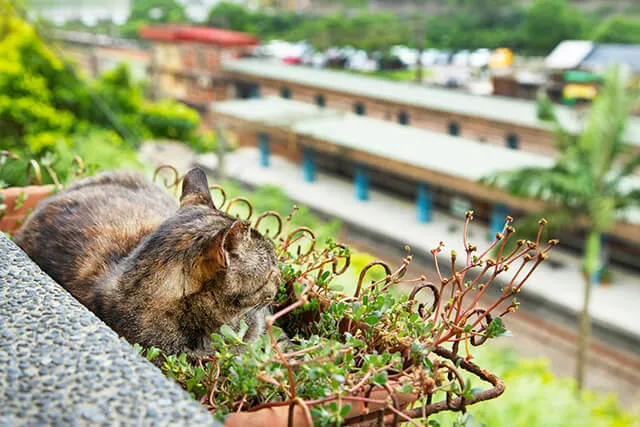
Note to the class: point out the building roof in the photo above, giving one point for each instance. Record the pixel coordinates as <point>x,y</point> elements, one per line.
<point>604,55</point>
<point>206,35</point>
<point>500,109</point>
<point>436,151</point>
<point>443,153</point>
<point>568,54</point>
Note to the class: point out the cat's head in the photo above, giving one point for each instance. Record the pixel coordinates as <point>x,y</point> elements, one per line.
<point>219,256</point>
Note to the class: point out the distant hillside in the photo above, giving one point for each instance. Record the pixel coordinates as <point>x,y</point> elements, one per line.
<point>601,8</point>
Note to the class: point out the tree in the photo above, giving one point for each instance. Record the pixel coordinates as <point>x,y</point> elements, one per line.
<point>231,16</point>
<point>587,182</point>
<point>157,11</point>
<point>145,12</point>
<point>548,22</point>
<point>618,29</point>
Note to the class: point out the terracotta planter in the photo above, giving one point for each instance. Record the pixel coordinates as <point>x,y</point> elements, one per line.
<point>279,416</point>
<point>14,214</point>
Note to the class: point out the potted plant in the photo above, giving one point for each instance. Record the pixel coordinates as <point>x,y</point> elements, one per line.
<point>375,354</point>
<point>16,203</point>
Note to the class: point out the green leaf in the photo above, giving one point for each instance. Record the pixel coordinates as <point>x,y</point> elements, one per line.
<point>496,328</point>
<point>345,410</point>
<point>228,333</point>
<point>152,353</point>
<point>379,378</point>
<point>371,319</point>
<point>243,329</point>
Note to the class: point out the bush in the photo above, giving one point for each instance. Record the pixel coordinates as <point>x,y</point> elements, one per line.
<point>170,120</point>
<point>534,397</point>
<point>50,113</point>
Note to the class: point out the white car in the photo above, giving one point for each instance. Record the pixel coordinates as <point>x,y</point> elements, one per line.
<point>461,59</point>
<point>480,58</point>
<point>429,56</point>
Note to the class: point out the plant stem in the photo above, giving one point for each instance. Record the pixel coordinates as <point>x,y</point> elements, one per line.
<point>591,260</point>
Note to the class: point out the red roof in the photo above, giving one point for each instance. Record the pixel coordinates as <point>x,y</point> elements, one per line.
<point>206,35</point>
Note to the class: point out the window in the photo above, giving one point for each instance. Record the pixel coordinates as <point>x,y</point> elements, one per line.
<point>285,92</point>
<point>247,90</point>
<point>513,141</point>
<point>454,128</point>
<point>403,118</point>
<point>360,109</point>
<point>320,101</point>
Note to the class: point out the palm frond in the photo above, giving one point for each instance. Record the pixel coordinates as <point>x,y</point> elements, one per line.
<point>612,183</point>
<point>604,133</point>
<point>562,183</point>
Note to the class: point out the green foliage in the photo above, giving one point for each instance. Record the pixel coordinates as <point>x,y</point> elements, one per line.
<point>544,107</point>
<point>548,22</point>
<point>536,398</point>
<point>145,12</point>
<point>170,120</point>
<point>458,24</point>
<point>48,111</point>
<point>618,29</point>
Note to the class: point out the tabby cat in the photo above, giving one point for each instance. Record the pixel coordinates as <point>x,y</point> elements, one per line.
<point>159,273</point>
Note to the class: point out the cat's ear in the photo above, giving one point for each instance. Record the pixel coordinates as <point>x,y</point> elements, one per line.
<point>195,189</point>
<point>237,234</point>
<point>227,241</point>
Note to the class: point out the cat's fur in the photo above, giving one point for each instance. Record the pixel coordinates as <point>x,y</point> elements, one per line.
<point>160,274</point>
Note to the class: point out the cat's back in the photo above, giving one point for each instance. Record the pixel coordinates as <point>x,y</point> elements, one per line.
<point>78,234</point>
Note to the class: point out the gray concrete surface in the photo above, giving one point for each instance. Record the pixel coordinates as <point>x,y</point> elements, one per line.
<point>61,365</point>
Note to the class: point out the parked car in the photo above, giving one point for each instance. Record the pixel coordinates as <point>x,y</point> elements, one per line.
<point>429,56</point>
<point>443,58</point>
<point>480,58</point>
<point>461,59</point>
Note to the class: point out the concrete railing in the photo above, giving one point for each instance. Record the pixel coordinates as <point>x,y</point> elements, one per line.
<point>61,365</point>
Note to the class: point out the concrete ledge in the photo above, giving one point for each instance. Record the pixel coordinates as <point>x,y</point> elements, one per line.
<point>61,365</point>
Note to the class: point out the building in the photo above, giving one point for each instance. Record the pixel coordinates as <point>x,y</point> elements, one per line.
<point>506,122</point>
<point>436,170</point>
<point>97,53</point>
<point>575,67</point>
<point>187,61</point>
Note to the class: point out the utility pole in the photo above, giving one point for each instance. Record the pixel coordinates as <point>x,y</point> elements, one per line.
<point>222,148</point>
<point>420,33</point>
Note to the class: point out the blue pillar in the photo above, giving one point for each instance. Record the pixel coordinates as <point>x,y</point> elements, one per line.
<point>497,219</point>
<point>264,144</point>
<point>362,182</point>
<point>424,200</point>
<point>255,91</point>
<point>308,164</point>
<point>596,277</point>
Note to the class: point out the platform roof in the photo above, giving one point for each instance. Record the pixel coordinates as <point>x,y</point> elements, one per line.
<point>419,147</point>
<point>500,109</point>
<point>454,156</point>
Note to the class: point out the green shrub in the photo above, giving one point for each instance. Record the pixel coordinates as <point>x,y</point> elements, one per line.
<point>534,397</point>
<point>170,120</point>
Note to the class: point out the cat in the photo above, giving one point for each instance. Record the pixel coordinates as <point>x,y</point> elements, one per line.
<point>159,273</point>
